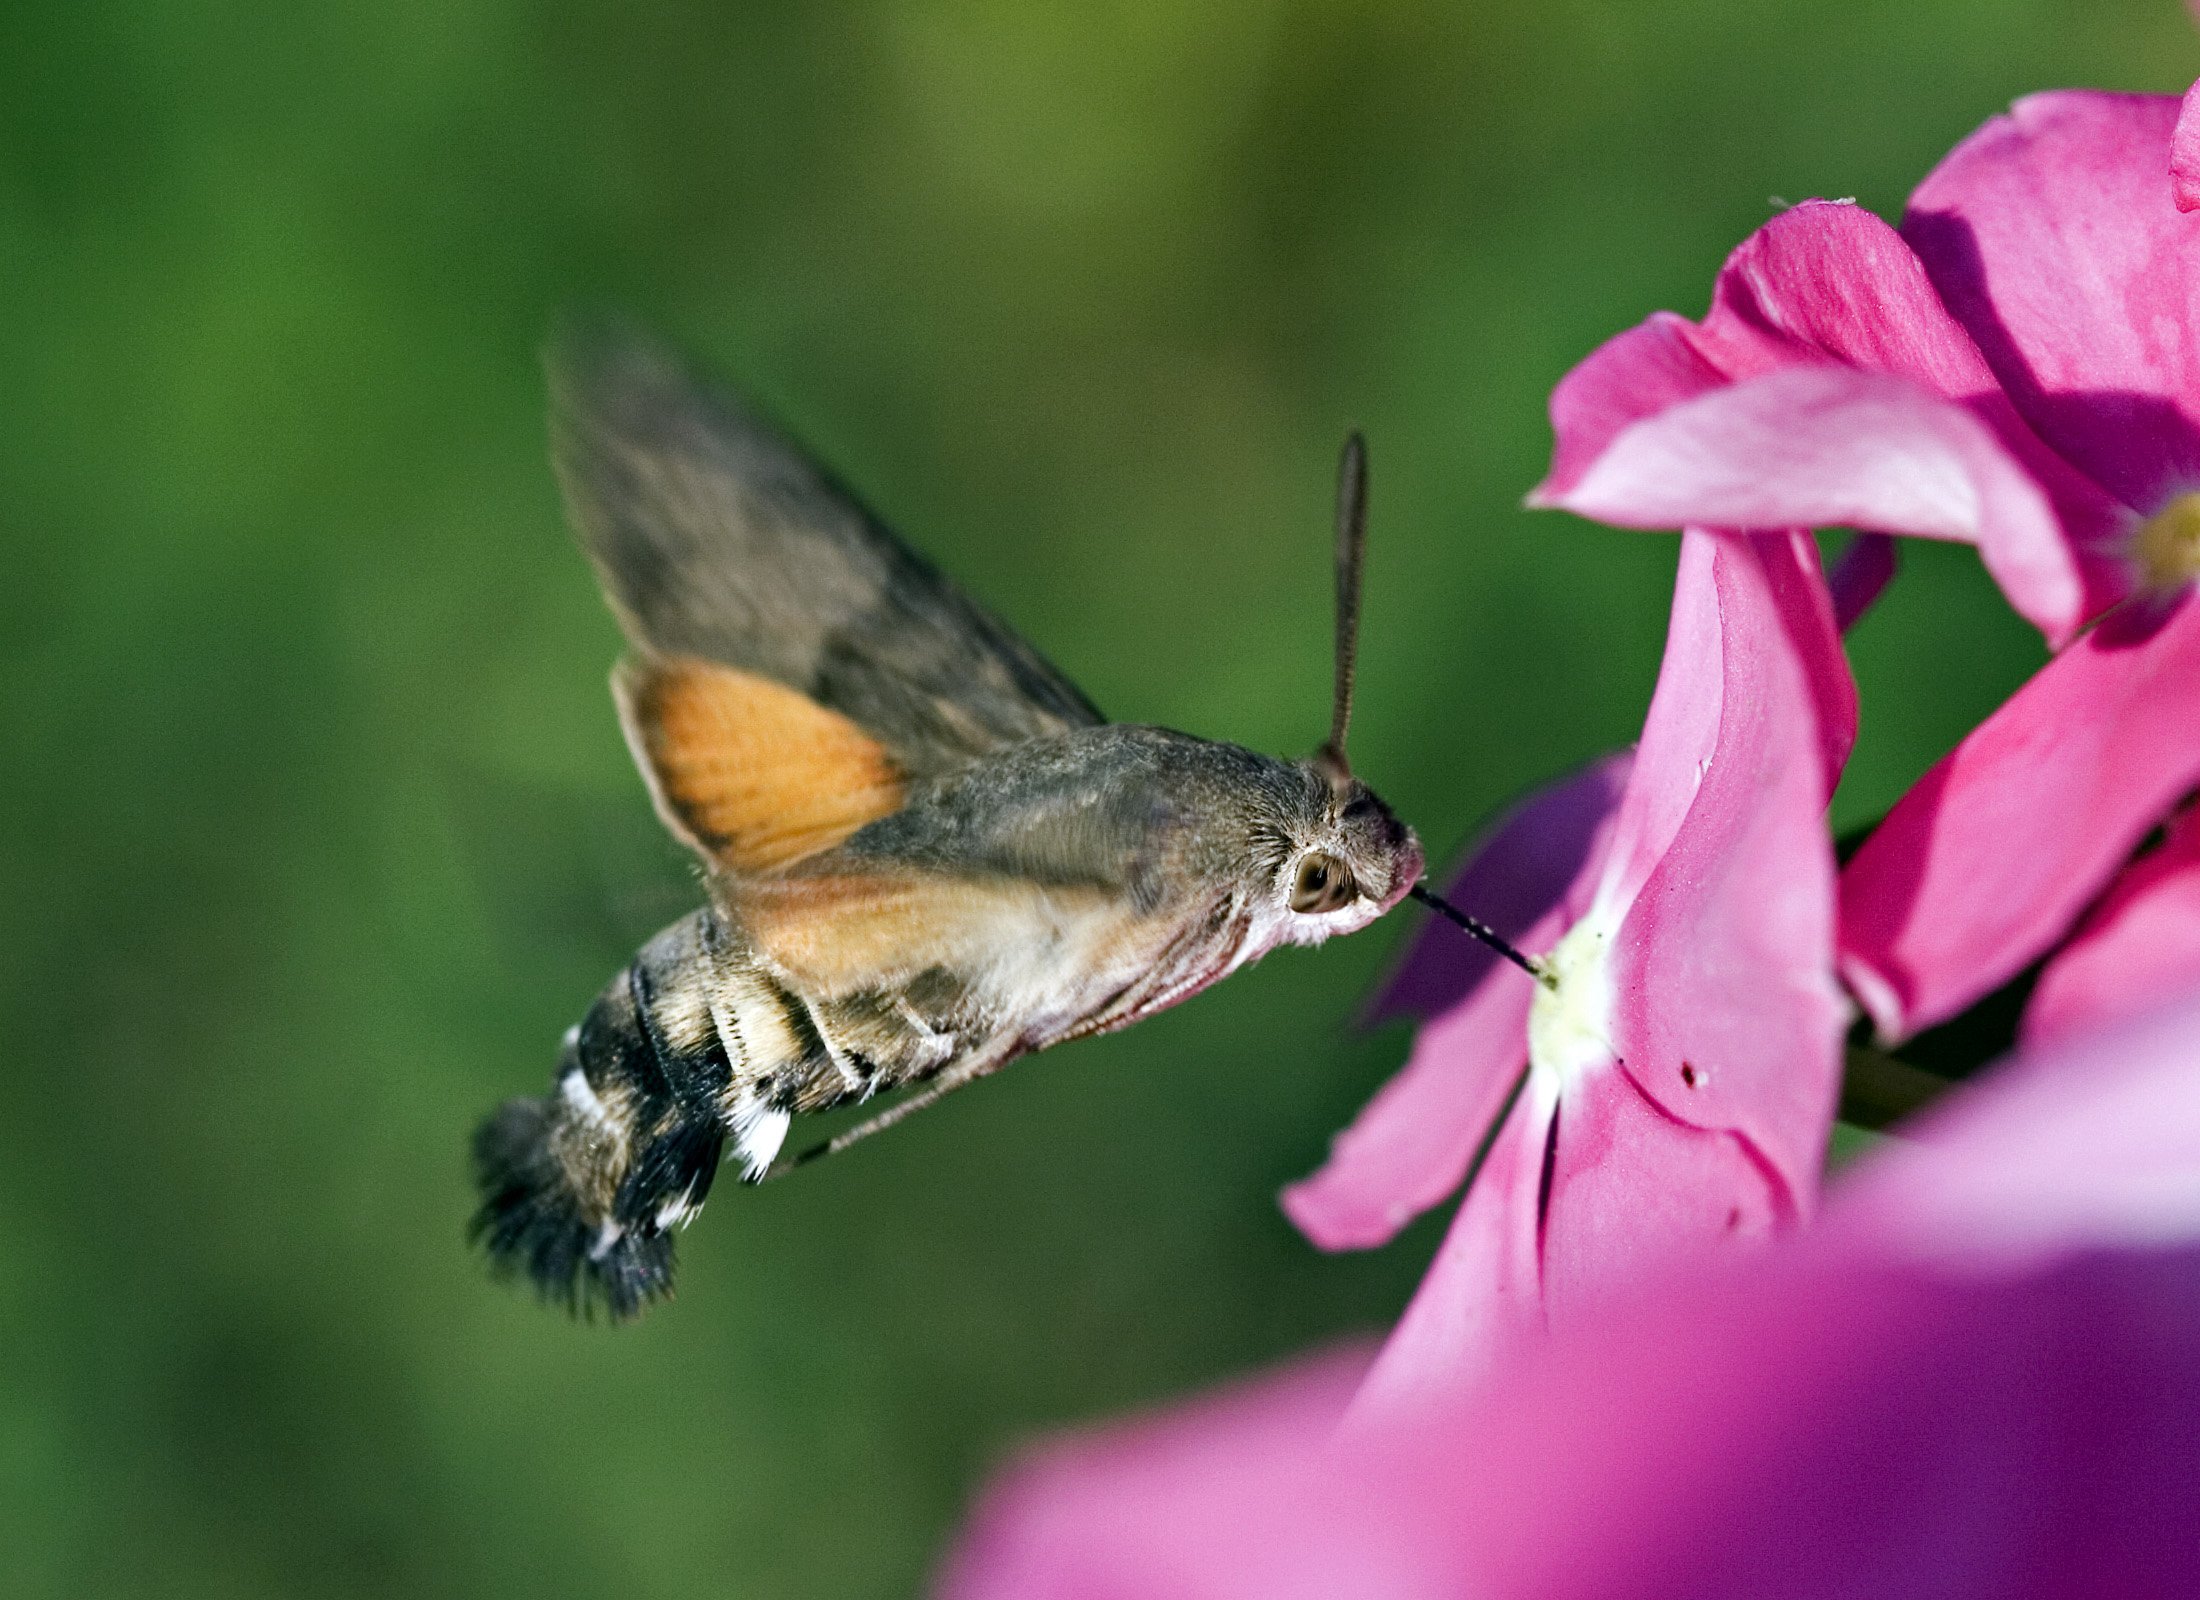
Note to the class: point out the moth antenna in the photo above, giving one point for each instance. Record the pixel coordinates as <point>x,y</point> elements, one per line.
<point>1483,931</point>
<point>1351,552</point>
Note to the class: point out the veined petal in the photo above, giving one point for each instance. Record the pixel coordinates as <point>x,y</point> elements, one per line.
<point>1727,1013</point>
<point>1484,1292</point>
<point>1985,863</point>
<point>1721,874</point>
<point>1632,1189</point>
<point>2050,235</point>
<point>1829,282</point>
<point>1825,283</point>
<point>2138,946</point>
<point>1812,446</point>
<point>1679,731</point>
<point>2184,154</point>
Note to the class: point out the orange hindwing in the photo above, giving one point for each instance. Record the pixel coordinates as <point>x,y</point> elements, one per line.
<point>746,771</point>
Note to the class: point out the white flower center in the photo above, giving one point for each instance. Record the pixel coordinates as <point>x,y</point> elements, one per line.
<point>1570,1018</point>
<point>2167,545</point>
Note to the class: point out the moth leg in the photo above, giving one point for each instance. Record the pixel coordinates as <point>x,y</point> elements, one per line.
<point>937,1046</point>
<point>977,1066</point>
<point>862,1084</point>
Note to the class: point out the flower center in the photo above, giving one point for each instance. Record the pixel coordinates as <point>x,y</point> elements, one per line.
<point>2167,545</point>
<point>1570,1018</point>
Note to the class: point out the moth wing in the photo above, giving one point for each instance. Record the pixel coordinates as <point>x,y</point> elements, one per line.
<point>746,772</point>
<point>795,664</point>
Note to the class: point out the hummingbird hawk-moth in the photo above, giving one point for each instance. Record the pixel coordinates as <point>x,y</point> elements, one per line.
<point>926,853</point>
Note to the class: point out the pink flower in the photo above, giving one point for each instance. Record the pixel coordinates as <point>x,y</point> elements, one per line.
<point>2018,367</point>
<point>1979,1375</point>
<point>1830,385</point>
<point>1681,1067</point>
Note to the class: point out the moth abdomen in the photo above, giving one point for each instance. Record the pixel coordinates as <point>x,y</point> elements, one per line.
<point>581,1188</point>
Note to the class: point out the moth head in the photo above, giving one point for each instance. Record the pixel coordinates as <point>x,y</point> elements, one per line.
<point>1350,860</point>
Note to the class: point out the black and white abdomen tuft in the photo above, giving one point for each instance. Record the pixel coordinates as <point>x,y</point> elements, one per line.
<point>695,1051</point>
<point>581,1188</point>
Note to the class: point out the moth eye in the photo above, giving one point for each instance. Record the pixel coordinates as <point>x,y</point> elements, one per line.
<point>1324,884</point>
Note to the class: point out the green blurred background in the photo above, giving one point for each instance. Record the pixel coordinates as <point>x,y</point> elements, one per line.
<point>317,830</point>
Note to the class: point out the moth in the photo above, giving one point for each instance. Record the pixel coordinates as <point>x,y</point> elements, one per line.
<point>925,852</point>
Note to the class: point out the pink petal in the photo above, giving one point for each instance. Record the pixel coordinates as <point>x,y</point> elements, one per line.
<point>1410,1146</point>
<point>1823,284</point>
<point>1980,1376</point>
<point>2184,153</point>
<point>1635,375</point>
<point>1986,862</point>
<point>2140,944</point>
<point>1482,1293</point>
<point>2092,1142</point>
<point>1514,873</point>
<point>2051,237</point>
<point>1859,576</point>
<point>1836,1425</point>
<point>1680,731</point>
<point>1833,281</point>
<point>1146,1509</point>
<point>1724,967</point>
<point>1632,1189</point>
<point>1829,282</point>
<point>1728,1015</point>
<point>1829,285</point>
<point>1817,445</point>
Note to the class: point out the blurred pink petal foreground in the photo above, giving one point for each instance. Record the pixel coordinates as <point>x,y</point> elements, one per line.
<point>2018,367</point>
<point>1682,1065</point>
<point>1978,1376</point>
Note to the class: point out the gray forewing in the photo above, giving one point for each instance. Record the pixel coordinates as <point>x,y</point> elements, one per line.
<point>716,536</point>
